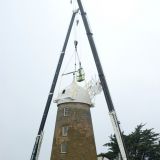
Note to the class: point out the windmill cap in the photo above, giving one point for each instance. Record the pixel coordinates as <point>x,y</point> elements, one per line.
<point>72,94</point>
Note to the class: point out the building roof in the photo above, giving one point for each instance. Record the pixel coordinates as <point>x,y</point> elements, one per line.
<point>73,93</point>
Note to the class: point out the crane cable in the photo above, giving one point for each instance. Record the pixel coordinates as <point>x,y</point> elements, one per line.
<point>74,5</point>
<point>65,68</point>
<point>76,39</point>
<point>75,55</point>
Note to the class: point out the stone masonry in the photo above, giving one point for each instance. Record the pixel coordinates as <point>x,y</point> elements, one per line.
<point>73,137</point>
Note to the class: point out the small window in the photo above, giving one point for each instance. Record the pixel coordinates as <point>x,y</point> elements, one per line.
<point>63,92</point>
<point>66,111</point>
<point>65,131</point>
<point>64,147</point>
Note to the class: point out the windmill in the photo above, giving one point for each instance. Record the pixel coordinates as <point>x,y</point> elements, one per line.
<point>103,83</point>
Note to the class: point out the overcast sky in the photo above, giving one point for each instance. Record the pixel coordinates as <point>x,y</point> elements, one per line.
<point>32,32</point>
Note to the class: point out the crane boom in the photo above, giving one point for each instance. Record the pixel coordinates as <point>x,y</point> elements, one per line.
<point>50,96</point>
<point>103,83</point>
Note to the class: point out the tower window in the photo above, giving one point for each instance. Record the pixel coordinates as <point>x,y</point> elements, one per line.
<point>66,111</point>
<point>64,147</point>
<point>65,131</point>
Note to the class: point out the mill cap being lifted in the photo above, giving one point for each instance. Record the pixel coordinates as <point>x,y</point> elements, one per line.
<point>73,93</point>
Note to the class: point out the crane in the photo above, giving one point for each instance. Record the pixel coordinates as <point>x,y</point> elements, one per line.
<point>112,112</point>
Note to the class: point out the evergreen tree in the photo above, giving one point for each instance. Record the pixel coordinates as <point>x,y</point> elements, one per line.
<point>141,144</point>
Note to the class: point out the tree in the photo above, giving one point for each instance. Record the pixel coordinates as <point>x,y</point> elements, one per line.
<point>141,144</point>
